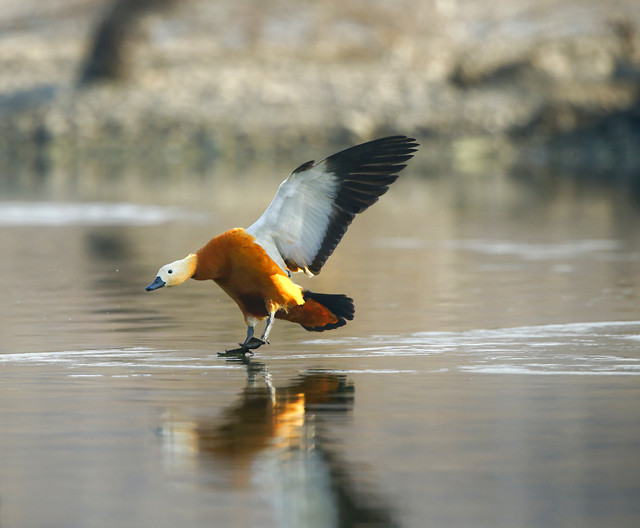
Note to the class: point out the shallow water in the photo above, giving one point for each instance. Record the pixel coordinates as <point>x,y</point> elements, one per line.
<point>488,380</point>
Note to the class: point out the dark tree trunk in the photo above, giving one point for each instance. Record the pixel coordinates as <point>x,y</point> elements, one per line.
<point>106,57</point>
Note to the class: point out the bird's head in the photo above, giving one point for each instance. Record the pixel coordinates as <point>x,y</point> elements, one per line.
<point>175,273</point>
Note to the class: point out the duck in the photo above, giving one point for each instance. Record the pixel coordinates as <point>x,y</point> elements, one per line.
<point>298,232</point>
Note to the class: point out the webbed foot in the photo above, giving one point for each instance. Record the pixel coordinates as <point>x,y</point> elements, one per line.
<point>236,352</point>
<point>251,343</point>
<point>254,343</point>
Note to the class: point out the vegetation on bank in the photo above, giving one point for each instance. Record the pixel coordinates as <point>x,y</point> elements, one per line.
<point>547,83</point>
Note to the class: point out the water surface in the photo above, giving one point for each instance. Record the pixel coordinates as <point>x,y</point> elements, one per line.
<point>488,380</point>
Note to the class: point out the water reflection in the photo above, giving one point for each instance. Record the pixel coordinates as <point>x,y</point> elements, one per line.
<point>108,244</point>
<point>276,440</point>
<point>494,352</point>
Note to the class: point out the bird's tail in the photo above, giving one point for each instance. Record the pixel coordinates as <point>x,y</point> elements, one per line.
<point>321,311</point>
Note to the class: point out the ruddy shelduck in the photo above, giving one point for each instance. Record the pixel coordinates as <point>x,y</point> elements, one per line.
<point>302,226</point>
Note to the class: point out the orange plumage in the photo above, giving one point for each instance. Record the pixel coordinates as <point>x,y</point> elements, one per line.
<point>298,232</point>
<point>246,273</point>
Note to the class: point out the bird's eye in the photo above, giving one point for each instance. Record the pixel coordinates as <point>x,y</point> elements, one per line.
<point>170,271</point>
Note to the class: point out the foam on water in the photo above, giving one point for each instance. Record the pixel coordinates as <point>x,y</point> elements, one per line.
<point>134,357</point>
<point>599,348</point>
<point>591,348</point>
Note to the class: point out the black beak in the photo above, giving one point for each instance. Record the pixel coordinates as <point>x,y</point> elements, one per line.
<point>158,283</point>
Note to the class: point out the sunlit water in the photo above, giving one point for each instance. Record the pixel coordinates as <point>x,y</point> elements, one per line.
<point>490,378</point>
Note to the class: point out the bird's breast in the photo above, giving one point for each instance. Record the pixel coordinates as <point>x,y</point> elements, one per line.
<point>242,268</point>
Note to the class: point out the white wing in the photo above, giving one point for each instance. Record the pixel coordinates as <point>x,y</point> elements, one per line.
<point>314,206</point>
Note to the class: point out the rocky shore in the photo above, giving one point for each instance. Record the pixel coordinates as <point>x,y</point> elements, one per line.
<point>545,83</point>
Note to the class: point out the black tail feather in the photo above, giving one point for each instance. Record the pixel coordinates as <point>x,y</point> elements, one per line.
<point>338,304</point>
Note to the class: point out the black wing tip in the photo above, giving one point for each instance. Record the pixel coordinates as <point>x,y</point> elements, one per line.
<point>377,155</point>
<point>389,146</point>
<point>405,141</point>
<point>393,138</point>
<point>382,156</point>
<point>365,171</point>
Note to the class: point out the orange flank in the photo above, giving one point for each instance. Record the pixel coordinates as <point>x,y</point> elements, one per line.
<point>248,275</point>
<point>298,232</point>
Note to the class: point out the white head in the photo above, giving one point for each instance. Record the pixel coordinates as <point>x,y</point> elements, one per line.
<point>175,273</point>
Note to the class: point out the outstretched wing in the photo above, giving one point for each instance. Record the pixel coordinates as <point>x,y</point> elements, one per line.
<point>314,206</point>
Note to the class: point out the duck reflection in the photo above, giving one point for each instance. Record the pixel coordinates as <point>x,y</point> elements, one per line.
<point>275,439</point>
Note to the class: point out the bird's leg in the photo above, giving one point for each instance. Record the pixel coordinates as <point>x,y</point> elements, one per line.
<point>251,343</point>
<point>250,329</point>
<point>248,344</point>
<point>267,329</point>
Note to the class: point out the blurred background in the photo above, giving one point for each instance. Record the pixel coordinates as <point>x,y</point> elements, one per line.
<point>521,85</point>
<point>489,378</point>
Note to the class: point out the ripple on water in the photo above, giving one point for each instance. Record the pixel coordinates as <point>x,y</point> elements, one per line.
<point>601,348</point>
<point>131,358</point>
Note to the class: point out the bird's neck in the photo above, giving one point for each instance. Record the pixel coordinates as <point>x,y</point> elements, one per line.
<point>214,258</point>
